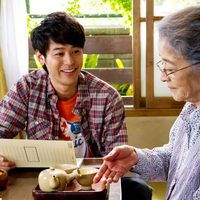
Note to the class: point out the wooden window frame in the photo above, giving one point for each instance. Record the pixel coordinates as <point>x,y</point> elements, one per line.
<point>150,105</point>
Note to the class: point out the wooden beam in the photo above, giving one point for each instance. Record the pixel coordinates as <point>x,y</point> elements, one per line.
<point>136,54</point>
<point>131,112</point>
<point>115,44</point>
<point>149,53</point>
<point>112,75</point>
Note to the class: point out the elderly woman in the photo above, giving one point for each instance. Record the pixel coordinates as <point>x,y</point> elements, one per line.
<point>177,162</point>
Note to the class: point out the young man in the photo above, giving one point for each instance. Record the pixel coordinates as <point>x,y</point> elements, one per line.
<point>61,101</point>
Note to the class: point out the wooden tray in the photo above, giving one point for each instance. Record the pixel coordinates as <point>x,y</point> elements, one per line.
<point>73,192</point>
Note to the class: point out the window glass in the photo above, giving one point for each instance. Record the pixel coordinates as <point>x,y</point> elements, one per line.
<point>44,7</point>
<point>143,59</point>
<point>47,6</point>
<point>86,7</point>
<point>165,7</point>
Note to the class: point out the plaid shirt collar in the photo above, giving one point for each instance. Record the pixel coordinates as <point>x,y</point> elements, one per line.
<point>83,97</point>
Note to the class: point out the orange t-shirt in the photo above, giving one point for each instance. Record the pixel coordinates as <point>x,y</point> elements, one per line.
<point>70,128</point>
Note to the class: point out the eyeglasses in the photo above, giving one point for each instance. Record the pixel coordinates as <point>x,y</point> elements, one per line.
<point>161,65</point>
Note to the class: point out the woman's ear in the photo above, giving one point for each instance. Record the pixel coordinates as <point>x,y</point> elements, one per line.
<point>40,57</point>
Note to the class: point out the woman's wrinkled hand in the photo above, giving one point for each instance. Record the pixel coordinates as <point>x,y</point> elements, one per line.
<point>6,164</point>
<point>118,162</point>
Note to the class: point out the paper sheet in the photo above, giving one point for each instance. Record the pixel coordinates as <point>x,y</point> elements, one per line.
<point>38,153</point>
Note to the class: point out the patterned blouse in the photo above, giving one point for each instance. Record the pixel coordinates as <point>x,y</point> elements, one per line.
<point>177,162</point>
<point>31,104</point>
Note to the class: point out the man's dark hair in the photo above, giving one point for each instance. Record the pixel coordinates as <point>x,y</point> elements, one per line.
<point>61,28</point>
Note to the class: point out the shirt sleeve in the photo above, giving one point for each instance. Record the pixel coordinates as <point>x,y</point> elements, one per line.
<point>114,129</point>
<point>13,110</point>
<point>196,195</point>
<point>153,164</point>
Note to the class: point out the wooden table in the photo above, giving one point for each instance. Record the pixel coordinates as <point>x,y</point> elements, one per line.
<point>23,180</point>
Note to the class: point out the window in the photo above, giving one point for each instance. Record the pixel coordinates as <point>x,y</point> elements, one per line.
<point>150,96</point>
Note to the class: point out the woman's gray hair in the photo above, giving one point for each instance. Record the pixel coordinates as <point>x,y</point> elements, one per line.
<point>182,31</point>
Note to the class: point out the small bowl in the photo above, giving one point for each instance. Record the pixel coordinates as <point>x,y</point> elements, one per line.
<point>3,179</point>
<point>85,178</point>
<point>68,168</point>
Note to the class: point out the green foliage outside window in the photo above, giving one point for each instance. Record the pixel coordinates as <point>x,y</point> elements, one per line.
<point>123,7</point>
<point>90,61</point>
<point>73,7</point>
<point>31,24</point>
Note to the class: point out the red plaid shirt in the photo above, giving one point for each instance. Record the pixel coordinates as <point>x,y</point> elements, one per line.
<point>31,104</point>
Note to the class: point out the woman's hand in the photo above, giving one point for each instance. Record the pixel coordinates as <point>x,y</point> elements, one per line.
<point>6,164</point>
<point>116,164</point>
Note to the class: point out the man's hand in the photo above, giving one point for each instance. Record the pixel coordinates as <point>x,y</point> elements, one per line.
<point>6,164</point>
<point>116,164</point>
